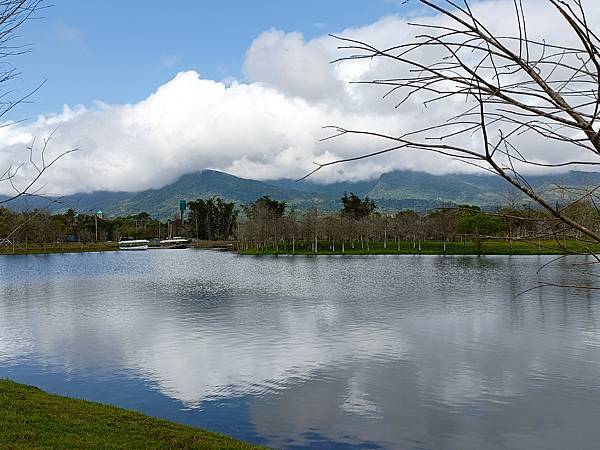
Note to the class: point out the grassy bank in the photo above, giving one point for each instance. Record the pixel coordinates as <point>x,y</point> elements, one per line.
<point>67,247</point>
<point>213,244</point>
<point>31,418</point>
<point>491,247</point>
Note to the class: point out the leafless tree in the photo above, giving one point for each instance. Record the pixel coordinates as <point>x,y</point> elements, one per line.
<point>514,87</point>
<point>13,14</point>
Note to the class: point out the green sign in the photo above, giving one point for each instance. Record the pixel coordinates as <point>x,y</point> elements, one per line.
<point>99,214</point>
<point>182,205</point>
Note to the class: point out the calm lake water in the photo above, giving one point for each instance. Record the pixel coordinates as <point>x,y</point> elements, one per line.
<point>324,352</point>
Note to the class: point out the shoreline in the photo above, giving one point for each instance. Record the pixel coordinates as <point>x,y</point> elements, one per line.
<point>495,247</point>
<point>32,418</point>
<point>48,249</point>
<point>44,249</point>
<point>325,248</point>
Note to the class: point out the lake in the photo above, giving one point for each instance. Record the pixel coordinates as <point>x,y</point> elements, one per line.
<point>408,352</point>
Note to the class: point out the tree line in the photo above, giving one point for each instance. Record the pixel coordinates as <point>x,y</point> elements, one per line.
<point>268,224</point>
<point>40,226</point>
<point>212,219</point>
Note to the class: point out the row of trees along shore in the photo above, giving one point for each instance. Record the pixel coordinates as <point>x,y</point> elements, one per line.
<point>269,225</point>
<point>38,226</point>
<point>207,219</point>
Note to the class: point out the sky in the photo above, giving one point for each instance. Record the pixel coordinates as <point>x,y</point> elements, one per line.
<point>121,51</point>
<point>147,92</point>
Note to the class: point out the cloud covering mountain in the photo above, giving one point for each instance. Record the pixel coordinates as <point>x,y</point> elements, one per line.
<point>264,127</point>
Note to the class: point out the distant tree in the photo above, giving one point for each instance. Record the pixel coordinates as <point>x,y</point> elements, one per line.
<point>310,228</point>
<point>440,224</point>
<point>355,208</point>
<point>69,218</point>
<point>479,225</point>
<point>228,216</point>
<point>211,218</point>
<point>197,217</point>
<point>274,207</point>
<point>6,219</point>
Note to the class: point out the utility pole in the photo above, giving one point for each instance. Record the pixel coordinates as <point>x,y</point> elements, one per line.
<point>97,216</point>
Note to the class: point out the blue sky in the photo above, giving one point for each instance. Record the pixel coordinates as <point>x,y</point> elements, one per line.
<point>163,73</point>
<point>120,51</point>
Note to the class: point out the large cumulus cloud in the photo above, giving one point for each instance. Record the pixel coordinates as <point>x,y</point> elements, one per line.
<point>267,126</point>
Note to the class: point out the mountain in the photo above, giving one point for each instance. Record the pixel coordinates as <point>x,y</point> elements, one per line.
<point>205,184</point>
<point>164,202</point>
<point>391,191</point>
<point>475,189</point>
<point>99,200</point>
<point>360,188</point>
<point>482,190</point>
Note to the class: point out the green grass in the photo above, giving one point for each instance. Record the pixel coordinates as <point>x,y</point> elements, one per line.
<point>70,247</point>
<point>31,418</point>
<point>490,247</point>
<point>205,244</point>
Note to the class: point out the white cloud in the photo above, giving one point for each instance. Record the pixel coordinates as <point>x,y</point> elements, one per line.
<point>288,63</point>
<point>267,127</point>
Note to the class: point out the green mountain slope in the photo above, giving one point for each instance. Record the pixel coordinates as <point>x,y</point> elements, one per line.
<point>392,191</point>
<point>482,190</point>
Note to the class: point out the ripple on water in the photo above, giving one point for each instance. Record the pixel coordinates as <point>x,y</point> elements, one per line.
<point>399,351</point>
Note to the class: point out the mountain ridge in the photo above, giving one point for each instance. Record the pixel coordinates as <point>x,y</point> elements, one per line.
<point>392,191</point>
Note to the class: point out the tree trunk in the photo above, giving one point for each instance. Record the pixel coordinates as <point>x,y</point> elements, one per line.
<point>385,237</point>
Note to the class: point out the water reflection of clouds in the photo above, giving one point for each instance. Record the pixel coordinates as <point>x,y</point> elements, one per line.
<point>194,366</point>
<point>360,361</point>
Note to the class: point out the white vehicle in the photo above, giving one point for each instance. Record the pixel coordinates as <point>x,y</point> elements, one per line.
<point>138,244</point>
<point>176,242</point>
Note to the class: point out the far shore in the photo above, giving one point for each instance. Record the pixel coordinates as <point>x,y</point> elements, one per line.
<point>80,247</point>
<point>66,247</point>
<point>488,247</point>
<point>305,248</point>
